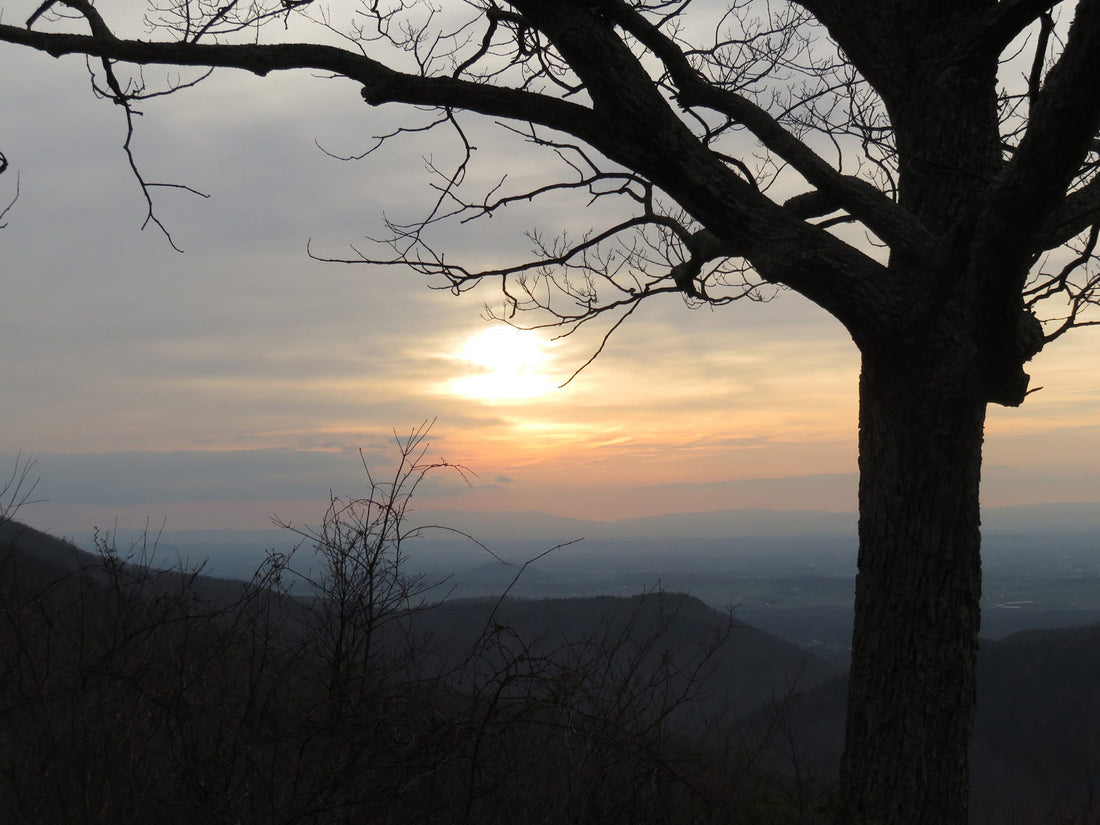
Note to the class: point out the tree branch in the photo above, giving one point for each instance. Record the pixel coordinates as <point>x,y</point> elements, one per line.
<point>631,124</point>
<point>859,198</point>
<point>1000,25</point>
<point>1064,124</point>
<point>640,130</point>
<point>11,203</point>
<point>380,83</point>
<point>1076,213</point>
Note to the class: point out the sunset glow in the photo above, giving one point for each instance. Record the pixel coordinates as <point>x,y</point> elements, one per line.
<point>503,364</point>
<point>242,379</point>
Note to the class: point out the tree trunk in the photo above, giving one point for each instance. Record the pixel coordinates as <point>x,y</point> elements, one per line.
<point>911,698</point>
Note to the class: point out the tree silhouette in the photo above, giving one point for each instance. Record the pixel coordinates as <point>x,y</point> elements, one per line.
<point>923,171</point>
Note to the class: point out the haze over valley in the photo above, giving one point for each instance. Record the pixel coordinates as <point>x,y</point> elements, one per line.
<point>788,572</point>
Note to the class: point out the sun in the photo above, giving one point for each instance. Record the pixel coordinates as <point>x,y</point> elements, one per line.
<point>505,363</point>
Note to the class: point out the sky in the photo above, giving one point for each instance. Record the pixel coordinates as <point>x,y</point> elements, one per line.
<point>240,379</point>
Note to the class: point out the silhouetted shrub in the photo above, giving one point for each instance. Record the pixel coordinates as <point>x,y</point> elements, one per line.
<point>133,694</point>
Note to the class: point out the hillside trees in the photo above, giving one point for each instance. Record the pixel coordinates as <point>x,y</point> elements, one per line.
<point>131,693</point>
<point>17,489</point>
<point>923,171</point>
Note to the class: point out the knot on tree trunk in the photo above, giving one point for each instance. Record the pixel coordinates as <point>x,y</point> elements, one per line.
<point>1030,337</point>
<point>1009,384</point>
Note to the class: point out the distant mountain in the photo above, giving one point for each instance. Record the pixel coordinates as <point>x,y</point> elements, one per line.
<point>815,537</point>
<point>1043,519</point>
<point>1037,738</point>
<point>747,671</point>
<point>1031,519</point>
<point>46,552</point>
<point>791,573</point>
<point>544,527</point>
<point>1036,750</point>
<point>41,558</point>
<point>1038,726</point>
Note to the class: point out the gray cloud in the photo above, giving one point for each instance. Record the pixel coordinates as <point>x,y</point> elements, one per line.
<point>128,478</point>
<point>119,352</point>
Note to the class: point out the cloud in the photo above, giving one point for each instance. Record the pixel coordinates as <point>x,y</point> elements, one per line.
<point>151,478</point>
<point>242,373</point>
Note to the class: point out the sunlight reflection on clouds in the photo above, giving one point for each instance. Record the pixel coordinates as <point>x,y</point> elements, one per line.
<point>510,364</point>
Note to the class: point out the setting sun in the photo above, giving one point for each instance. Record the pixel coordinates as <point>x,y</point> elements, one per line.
<point>507,364</point>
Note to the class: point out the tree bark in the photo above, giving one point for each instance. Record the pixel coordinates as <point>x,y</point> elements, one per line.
<point>912,691</point>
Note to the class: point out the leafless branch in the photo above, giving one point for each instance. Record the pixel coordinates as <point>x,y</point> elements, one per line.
<point>4,212</point>
<point>16,492</point>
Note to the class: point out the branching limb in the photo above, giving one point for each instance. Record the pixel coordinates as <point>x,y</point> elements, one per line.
<point>640,130</point>
<point>1064,122</point>
<point>606,274</point>
<point>1038,62</point>
<point>1076,213</point>
<point>1065,117</point>
<point>884,217</point>
<point>16,492</point>
<point>4,212</point>
<point>652,251</point>
<point>1006,19</point>
<point>125,98</point>
<point>1076,286</point>
<point>747,215</point>
<point>380,84</point>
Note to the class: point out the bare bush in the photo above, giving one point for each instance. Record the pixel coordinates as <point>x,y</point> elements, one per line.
<point>130,693</point>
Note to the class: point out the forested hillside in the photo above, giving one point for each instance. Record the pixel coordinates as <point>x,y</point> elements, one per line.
<point>132,694</point>
<point>129,694</point>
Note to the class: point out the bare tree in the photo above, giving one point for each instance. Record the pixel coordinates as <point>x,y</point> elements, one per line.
<point>133,693</point>
<point>360,586</point>
<point>17,490</point>
<point>923,171</point>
